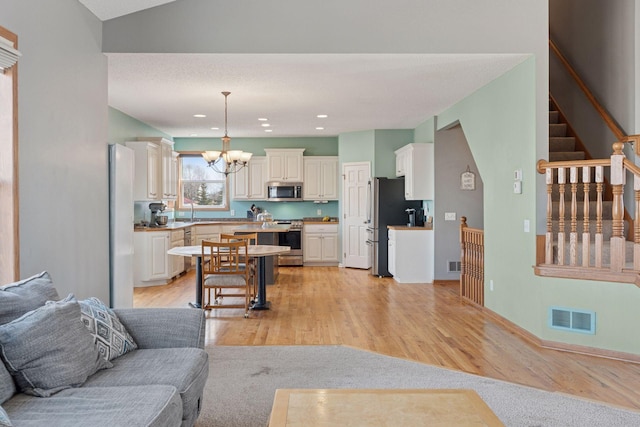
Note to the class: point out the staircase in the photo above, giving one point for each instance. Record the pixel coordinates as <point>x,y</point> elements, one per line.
<point>564,145</point>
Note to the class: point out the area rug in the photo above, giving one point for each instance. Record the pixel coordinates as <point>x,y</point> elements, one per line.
<point>242,382</point>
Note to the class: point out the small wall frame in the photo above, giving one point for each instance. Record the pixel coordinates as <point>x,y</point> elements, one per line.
<point>468,180</point>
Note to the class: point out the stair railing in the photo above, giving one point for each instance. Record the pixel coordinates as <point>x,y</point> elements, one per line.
<point>567,176</point>
<point>471,263</point>
<point>620,135</point>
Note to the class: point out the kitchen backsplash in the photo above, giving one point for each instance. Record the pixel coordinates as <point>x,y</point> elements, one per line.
<point>284,210</point>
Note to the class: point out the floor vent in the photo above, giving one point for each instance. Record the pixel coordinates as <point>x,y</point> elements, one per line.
<point>453,267</point>
<point>569,319</point>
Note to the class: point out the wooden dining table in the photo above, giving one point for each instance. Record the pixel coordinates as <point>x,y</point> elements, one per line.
<point>254,251</point>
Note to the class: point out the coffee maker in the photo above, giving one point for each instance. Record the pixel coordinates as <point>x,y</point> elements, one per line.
<point>156,209</point>
<point>412,217</point>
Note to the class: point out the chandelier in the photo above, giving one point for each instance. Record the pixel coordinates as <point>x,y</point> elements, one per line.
<point>234,160</point>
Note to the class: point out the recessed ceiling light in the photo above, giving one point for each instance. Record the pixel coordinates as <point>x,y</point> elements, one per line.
<point>265,125</point>
<point>194,134</point>
<point>215,128</point>
<point>268,130</point>
<point>199,115</point>
<point>322,116</point>
<point>319,128</point>
<point>263,119</point>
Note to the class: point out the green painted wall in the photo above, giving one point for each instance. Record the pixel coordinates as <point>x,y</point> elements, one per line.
<point>499,122</point>
<point>425,132</point>
<point>123,127</point>
<point>386,142</point>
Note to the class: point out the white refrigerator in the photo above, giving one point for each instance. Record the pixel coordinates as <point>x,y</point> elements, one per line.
<point>121,225</point>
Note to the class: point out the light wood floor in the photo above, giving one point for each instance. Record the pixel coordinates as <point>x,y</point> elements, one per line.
<point>424,323</point>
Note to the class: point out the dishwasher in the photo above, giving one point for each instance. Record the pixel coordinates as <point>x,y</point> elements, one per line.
<point>187,242</point>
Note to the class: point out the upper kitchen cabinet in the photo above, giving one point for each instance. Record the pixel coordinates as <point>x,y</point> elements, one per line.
<point>156,169</point>
<point>284,164</point>
<point>321,178</point>
<point>147,176</point>
<point>415,163</point>
<point>169,170</point>
<point>249,183</point>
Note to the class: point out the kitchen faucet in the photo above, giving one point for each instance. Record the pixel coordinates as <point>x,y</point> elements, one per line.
<point>191,211</point>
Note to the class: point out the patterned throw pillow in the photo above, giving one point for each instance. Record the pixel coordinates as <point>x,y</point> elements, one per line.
<point>49,349</point>
<point>111,337</point>
<point>4,418</point>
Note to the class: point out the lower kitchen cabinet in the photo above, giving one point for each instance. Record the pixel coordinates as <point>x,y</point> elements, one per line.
<point>411,256</point>
<point>151,264</point>
<point>176,262</point>
<point>320,244</point>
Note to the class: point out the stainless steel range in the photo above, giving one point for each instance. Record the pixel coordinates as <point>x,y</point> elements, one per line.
<point>292,238</point>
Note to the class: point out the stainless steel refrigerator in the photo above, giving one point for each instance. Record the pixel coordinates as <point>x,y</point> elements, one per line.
<point>386,207</point>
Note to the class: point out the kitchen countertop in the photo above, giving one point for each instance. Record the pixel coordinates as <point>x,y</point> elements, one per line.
<point>251,228</point>
<point>404,227</point>
<point>179,225</point>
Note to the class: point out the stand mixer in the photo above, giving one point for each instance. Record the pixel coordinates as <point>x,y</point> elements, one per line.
<point>156,220</point>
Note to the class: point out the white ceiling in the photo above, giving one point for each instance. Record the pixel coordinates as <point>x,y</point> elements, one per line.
<point>357,91</point>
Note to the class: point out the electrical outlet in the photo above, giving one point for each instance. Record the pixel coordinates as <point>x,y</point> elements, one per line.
<point>319,212</point>
<point>449,216</point>
<point>527,226</point>
<point>232,212</point>
<point>491,285</point>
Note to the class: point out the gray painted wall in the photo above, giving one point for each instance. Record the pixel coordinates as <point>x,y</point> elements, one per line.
<point>598,38</point>
<point>452,156</point>
<point>62,102</point>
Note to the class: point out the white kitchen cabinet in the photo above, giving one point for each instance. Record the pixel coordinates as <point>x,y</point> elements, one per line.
<point>250,183</point>
<point>402,157</point>
<point>151,262</point>
<point>285,164</point>
<point>415,163</point>
<point>320,178</point>
<point>176,262</point>
<point>147,183</point>
<point>320,244</point>
<point>169,171</point>
<point>155,169</point>
<point>207,232</point>
<point>411,255</point>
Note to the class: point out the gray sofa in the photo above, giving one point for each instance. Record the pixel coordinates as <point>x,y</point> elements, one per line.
<point>160,383</point>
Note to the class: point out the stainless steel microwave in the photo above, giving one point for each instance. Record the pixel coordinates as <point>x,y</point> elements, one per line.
<point>278,191</point>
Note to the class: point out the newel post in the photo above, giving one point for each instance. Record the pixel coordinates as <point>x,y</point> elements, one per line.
<point>617,184</point>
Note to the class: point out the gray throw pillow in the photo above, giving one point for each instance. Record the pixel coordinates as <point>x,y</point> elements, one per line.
<point>111,337</point>
<point>49,349</point>
<point>4,418</point>
<point>20,297</point>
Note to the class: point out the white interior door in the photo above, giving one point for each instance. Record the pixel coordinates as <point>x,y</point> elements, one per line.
<point>354,218</point>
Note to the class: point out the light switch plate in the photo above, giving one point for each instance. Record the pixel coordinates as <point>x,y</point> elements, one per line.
<point>517,187</point>
<point>449,216</point>
<point>527,226</point>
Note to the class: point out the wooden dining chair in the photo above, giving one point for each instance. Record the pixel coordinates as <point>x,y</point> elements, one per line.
<point>224,268</point>
<point>251,239</point>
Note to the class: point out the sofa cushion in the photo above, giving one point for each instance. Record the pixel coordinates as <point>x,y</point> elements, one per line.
<point>4,418</point>
<point>7,386</point>
<point>110,336</point>
<point>156,406</point>
<point>49,349</point>
<point>20,297</point>
<point>184,368</point>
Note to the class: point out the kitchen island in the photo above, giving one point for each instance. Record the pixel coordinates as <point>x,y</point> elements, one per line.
<point>266,236</point>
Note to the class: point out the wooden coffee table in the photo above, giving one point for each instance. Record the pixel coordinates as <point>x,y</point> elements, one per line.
<point>389,407</point>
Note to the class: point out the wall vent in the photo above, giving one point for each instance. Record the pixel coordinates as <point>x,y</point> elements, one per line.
<point>453,266</point>
<point>569,319</point>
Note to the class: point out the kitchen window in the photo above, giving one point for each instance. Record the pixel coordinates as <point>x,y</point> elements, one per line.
<point>201,185</point>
